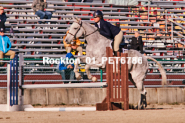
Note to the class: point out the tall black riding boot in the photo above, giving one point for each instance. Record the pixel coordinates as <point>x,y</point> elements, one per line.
<point>115,53</point>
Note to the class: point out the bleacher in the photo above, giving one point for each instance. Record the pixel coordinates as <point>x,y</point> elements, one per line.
<point>46,40</point>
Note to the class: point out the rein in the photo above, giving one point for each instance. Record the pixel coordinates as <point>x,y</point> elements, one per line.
<point>91,33</point>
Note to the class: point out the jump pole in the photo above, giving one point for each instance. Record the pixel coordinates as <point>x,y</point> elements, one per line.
<point>62,109</point>
<point>72,85</point>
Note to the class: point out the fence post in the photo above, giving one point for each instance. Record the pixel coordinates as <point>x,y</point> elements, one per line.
<point>8,87</point>
<point>21,79</point>
<point>172,31</point>
<point>166,21</point>
<point>17,86</point>
<point>10,82</point>
<point>13,80</point>
<point>148,11</point>
<point>124,79</point>
<point>101,75</point>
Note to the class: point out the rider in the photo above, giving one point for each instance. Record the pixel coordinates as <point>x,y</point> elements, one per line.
<point>108,30</point>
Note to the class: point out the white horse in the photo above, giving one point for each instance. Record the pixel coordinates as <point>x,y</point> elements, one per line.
<point>96,47</point>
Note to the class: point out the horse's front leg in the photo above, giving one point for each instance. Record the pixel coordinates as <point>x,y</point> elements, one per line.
<point>76,67</point>
<point>93,78</point>
<point>77,75</point>
<point>87,67</point>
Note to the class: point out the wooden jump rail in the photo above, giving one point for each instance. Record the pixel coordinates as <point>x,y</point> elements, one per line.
<point>117,90</point>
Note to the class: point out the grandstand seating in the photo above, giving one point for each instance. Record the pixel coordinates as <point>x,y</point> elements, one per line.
<point>36,42</point>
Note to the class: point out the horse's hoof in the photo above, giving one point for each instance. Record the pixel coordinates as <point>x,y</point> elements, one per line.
<point>142,107</point>
<point>78,77</point>
<point>143,99</point>
<point>94,79</point>
<point>145,103</point>
<point>139,105</point>
<point>136,108</point>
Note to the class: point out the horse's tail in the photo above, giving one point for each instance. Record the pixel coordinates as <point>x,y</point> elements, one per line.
<point>162,71</point>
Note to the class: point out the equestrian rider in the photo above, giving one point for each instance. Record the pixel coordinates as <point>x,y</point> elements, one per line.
<point>108,30</point>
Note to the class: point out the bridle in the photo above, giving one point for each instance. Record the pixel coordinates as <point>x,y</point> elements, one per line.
<point>76,31</point>
<point>74,35</point>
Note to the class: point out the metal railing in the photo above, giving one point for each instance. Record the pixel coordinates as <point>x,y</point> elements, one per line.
<point>173,16</point>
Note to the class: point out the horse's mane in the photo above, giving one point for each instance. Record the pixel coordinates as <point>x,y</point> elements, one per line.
<point>90,25</point>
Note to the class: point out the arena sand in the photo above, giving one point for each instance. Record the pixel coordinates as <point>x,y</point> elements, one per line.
<point>154,114</point>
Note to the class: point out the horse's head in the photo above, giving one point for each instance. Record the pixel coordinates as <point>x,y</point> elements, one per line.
<point>76,30</point>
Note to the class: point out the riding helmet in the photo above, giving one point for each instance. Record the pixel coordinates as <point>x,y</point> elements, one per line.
<point>98,13</point>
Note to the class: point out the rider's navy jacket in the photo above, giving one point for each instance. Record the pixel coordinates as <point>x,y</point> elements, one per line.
<point>3,18</point>
<point>107,29</point>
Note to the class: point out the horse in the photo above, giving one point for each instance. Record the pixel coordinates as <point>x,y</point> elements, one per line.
<point>96,49</point>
